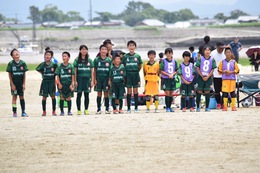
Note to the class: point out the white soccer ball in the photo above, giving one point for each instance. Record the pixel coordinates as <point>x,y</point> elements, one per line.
<point>247,102</point>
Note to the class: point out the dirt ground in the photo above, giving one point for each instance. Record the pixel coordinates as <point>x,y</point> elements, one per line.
<point>215,141</point>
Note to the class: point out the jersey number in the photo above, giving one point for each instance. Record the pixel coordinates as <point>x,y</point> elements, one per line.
<point>170,68</point>
<point>187,72</point>
<point>206,66</point>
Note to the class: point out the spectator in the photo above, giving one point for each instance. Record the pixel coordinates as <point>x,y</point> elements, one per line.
<point>255,60</point>
<point>194,55</point>
<point>205,44</point>
<point>219,56</point>
<point>236,46</point>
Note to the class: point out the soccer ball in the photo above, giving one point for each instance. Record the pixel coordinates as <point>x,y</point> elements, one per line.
<point>247,102</point>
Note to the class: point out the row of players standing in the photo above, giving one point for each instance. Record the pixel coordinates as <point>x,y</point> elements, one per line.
<point>118,76</point>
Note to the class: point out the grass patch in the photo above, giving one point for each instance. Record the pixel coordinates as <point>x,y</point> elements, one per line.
<point>30,67</point>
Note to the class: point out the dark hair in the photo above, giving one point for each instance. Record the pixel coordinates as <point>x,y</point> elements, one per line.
<point>205,47</point>
<point>80,59</point>
<point>48,51</point>
<point>168,50</point>
<point>191,48</point>
<point>66,53</point>
<point>161,54</point>
<point>186,53</point>
<point>116,55</point>
<point>47,48</point>
<point>102,45</point>
<point>11,53</point>
<point>107,41</point>
<point>206,39</point>
<point>228,48</point>
<point>151,52</point>
<point>131,42</point>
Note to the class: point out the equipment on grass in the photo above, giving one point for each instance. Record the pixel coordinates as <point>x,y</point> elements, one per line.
<point>247,102</point>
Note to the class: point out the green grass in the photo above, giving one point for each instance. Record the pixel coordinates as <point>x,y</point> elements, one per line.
<point>29,66</point>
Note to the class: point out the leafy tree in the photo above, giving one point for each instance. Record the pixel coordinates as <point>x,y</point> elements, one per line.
<point>236,13</point>
<point>133,19</point>
<point>186,14</point>
<point>35,15</point>
<point>51,13</point>
<point>104,16</point>
<point>73,16</point>
<point>2,17</point>
<point>220,16</point>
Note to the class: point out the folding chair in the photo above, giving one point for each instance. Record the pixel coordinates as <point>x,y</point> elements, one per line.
<point>250,87</point>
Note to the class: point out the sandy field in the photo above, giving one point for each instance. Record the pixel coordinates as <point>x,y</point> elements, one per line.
<point>215,141</point>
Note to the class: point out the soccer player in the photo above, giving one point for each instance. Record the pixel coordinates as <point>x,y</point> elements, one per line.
<point>205,67</point>
<point>151,72</point>
<point>16,70</point>
<point>133,64</point>
<point>169,68</point>
<point>187,73</point>
<point>65,77</point>
<point>102,65</point>
<point>117,76</point>
<point>229,69</point>
<point>47,69</point>
<point>83,67</point>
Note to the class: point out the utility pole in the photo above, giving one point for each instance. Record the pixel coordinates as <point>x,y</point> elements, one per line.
<point>90,12</point>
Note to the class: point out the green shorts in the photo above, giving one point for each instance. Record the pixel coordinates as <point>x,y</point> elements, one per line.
<point>118,91</point>
<point>47,88</point>
<point>65,92</point>
<point>83,84</point>
<point>187,90</point>
<point>204,85</point>
<point>132,80</point>
<point>169,84</point>
<point>19,88</point>
<point>102,84</point>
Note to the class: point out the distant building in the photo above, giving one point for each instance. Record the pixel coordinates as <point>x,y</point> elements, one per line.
<point>151,22</point>
<point>180,24</point>
<point>205,22</point>
<point>248,19</point>
<point>49,24</point>
<point>114,23</point>
<point>94,24</point>
<point>231,21</point>
<point>70,24</point>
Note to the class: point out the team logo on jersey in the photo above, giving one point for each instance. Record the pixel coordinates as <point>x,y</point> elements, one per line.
<point>14,68</point>
<point>99,63</point>
<point>107,64</point>
<point>21,67</point>
<point>122,72</point>
<point>135,59</point>
<point>88,64</point>
<point>69,71</point>
<point>52,69</point>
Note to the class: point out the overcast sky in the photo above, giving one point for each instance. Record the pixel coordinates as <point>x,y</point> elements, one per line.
<point>201,8</point>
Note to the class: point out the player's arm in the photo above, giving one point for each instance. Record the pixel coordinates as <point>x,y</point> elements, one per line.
<point>220,68</point>
<point>11,81</point>
<point>144,70</point>
<point>72,82</point>
<point>24,79</point>
<point>75,76</point>
<point>236,68</point>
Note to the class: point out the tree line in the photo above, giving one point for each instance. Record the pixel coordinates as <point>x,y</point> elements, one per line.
<point>132,14</point>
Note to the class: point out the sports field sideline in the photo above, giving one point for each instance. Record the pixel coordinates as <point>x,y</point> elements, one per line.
<point>213,141</point>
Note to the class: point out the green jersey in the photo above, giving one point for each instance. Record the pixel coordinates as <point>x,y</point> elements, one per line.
<point>102,66</point>
<point>65,72</point>
<point>132,62</point>
<point>117,74</point>
<point>47,70</point>
<point>17,69</point>
<point>83,70</point>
